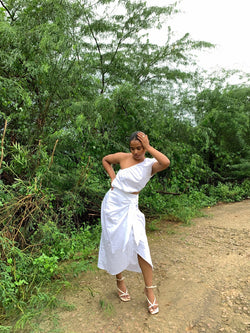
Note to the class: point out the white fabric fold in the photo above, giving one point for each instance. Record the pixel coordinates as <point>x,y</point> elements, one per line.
<point>123,233</point>
<point>120,216</point>
<point>123,224</point>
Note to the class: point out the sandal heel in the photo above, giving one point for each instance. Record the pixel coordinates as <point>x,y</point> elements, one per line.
<point>124,296</point>
<point>151,305</point>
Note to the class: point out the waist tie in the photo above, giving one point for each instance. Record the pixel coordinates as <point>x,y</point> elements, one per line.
<point>135,218</point>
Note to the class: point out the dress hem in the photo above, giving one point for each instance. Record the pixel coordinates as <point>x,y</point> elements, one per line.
<point>136,270</point>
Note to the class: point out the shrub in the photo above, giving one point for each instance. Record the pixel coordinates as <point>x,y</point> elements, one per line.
<point>228,192</point>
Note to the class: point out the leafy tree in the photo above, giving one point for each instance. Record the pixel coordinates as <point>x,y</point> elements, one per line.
<point>76,77</point>
<point>223,129</point>
<point>40,65</point>
<point>58,56</point>
<point>121,51</point>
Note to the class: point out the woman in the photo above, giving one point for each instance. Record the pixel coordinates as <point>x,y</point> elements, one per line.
<point>124,244</point>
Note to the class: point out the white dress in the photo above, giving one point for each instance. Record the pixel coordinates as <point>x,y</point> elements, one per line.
<point>123,224</point>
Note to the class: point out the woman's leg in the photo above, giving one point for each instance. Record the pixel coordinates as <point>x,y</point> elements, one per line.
<point>147,273</point>
<point>123,290</point>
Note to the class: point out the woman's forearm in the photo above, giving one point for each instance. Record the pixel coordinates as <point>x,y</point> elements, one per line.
<point>108,167</point>
<point>160,157</point>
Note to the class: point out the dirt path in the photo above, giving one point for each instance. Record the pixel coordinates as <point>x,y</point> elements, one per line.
<point>202,274</point>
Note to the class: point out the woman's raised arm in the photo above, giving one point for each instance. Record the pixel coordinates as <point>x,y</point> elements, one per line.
<point>162,160</point>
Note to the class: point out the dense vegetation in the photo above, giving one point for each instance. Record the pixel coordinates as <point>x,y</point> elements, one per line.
<point>76,78</point>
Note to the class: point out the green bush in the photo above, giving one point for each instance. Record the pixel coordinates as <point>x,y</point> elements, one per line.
<point>24,274</point>
<point>228,192</point>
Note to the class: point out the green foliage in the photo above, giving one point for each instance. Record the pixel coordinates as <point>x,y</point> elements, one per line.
<point>185,206</point>
<point>223,130</point>
<point>45,266</point>
<point>120,50</point>
<point>228,192</point>
<point>62,245</point>
<point>106,307</point>
<point>33,241</point>
<point>5,329</point>
<point>24,274</point>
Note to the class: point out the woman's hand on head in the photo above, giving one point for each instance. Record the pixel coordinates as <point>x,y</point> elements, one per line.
<point>144,139</point>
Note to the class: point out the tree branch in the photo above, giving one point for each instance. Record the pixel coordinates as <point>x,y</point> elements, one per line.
<point>7,10</point>
<point>163,192</point>
<point>4,131</point>
<point>100,55</point>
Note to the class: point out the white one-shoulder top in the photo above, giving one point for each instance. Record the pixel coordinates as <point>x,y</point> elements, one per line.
<point>134,178</point>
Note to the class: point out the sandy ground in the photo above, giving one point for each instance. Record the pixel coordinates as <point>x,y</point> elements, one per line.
<point>202,274</point>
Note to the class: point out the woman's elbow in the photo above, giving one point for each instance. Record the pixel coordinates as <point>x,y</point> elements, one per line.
<point>166,163</point>
<point>104,161</point>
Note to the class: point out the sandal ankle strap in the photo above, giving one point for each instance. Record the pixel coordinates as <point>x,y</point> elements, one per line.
<point>120,279</point>
<point>150,287</point>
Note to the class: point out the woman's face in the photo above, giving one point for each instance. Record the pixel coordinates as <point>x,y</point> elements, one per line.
<point>137,150</point>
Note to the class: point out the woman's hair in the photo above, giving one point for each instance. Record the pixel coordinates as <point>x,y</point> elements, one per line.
<point>133,136</point>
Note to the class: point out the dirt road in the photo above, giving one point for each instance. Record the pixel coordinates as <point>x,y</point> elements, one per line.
<point>202,274</point>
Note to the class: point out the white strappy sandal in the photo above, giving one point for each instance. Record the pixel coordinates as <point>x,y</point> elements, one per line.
<point>152,305</point>
<point>124,296</point>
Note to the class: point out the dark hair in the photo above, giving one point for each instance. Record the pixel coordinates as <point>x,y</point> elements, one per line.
<point>134,136</point>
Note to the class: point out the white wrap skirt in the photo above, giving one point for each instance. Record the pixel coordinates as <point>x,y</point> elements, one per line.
<point>123,233</point>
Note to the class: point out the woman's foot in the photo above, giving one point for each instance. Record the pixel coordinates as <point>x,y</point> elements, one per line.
<point>122,290</point>
<point>153,307</point>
